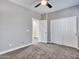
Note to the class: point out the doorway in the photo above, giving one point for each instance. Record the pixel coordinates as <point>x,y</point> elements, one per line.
<point>35,31</point>
<point>39,30</point>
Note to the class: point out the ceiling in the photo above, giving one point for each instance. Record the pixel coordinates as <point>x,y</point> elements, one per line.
<point>57,5</point>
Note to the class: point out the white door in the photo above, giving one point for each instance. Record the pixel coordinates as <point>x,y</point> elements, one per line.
<point>43,30</point>
<point>63,31</point>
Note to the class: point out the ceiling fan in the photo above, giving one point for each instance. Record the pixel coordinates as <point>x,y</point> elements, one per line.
<point>45,3</point>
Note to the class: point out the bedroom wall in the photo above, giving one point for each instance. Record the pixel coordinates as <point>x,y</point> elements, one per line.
<point>68,12</point>
<point>15,25</point>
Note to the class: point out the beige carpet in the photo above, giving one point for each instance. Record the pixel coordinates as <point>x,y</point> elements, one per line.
<point>47,51</point>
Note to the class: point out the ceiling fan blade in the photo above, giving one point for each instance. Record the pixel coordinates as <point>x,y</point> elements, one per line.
<point>37,5</point>
<point>50,6</point>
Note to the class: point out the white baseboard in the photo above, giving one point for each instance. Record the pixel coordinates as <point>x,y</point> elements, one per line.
<point>64,45</point>
<point>43,41</point>
<point>3,52</point>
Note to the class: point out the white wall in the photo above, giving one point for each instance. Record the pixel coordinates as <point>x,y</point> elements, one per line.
<point>15,25</point>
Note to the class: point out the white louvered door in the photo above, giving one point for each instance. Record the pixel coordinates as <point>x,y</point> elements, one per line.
<point>64,31</point>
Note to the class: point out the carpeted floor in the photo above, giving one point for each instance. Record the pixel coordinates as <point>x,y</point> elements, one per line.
<point>44,51</point>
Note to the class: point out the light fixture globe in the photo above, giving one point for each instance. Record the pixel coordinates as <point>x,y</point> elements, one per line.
<point>44,2</point>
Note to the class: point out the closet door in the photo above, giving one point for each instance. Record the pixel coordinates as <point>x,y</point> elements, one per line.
<point>43,30</point>
<point>63,31</point>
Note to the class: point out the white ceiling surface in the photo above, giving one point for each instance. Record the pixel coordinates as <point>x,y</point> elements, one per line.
<point>57,5</point>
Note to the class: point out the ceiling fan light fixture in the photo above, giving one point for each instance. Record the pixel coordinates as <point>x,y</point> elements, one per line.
<point>44,2</point>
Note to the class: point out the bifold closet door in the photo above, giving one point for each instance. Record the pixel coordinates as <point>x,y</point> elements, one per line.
<point>64,31</point>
